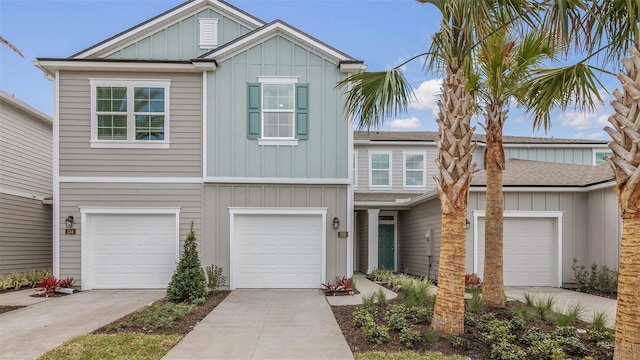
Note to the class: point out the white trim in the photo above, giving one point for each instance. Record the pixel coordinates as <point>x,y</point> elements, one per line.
<point>138,144</point>
<point>404,170</point>
<point>275,180</point>
<point>278,141</point>
<point>482,143</point>
<point>208,27</point>
<point>20,193</point>
<point>274,28</point>
<point>56,175</point>
<point>372,261</point>
<point>291,82</point>
<point>589,188</point>
<point>205,136</point>
<point>86,245</point>
<point>594,152</point>
<point>352,68</point>
<point>393,222</point>
<point>350,229</point>
<point>151,180</point>
<point>233,211</point>
<point>138,66</point>
<point>381,187</point>
<point>166,17</point>
<point>393,143</point>
<point>354,166</point>
<point>278,79</point>
<point>524,214</point>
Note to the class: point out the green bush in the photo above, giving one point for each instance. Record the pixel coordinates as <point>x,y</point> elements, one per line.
<point>596,280</point>
<point>396,317</point>
<point>188,281</point>
<point>410,337</point>
<point>547,349</point>
<point>376,333</point>
<point>215,277</point>
<point>362,317</point>
<point>507,351</point>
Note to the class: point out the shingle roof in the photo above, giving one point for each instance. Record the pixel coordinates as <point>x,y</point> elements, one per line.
<point>384,197</point>
<point>539,173</point>
<point>433,135</point>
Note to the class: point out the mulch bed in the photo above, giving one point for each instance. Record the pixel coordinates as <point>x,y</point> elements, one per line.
<point>7,308</point>
<point>473,343</point>
<point>180,327</point>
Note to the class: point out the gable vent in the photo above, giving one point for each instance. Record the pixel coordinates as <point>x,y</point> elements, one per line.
<point>208,33</point>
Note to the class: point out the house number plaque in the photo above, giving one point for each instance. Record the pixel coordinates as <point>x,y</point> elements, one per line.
<point>69,231</point>
<point>343,234</point>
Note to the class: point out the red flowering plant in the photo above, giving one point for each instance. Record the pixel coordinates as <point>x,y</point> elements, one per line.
<point>472,281</point>
<point>48,284</point>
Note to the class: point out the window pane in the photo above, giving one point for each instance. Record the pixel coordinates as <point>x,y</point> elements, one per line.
<point>414,178</point>
<point>149,127</point>
<point>149,99</point>
<point>380,161</point>
<point>112,127</point>
<point>380,177</point>
<point>277,96</point>
<point>112,99</point>
<point>414,162</point>
<point>278,125</point>
<point>600,157</point>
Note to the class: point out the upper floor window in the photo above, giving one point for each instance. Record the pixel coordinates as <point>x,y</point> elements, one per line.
<point>414,169</point>
<point>380,173</point>
<point>277,110</point>
<point>598,156</point>
<point>129,113</point>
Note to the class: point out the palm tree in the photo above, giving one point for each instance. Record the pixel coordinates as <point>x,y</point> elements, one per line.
<point>6,43</point>
<point>374,96</point>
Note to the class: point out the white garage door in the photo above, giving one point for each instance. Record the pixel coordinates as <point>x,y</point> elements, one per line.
<point>130,251</point>
<point>528,251</point>
<point>277,251</point>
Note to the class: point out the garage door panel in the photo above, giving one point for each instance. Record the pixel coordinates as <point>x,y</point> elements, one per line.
<point>278,251</point>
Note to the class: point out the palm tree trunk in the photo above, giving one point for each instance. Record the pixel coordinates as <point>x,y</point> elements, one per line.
<point>625,162</point>
<point>493,283</point>
<point>454,165</point>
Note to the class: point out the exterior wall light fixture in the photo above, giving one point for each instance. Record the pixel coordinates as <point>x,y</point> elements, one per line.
<point>336,223</point>
<point>68,222</point>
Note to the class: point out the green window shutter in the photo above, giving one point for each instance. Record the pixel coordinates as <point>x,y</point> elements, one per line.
<point>302,111</point>
<point>253,111</point>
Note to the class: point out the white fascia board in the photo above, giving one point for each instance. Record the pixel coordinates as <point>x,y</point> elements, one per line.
<point>272,180</point>
<point>608,184</point>
<point>267,32</point>
<point>47,66</point>
<point>552,145</point>
<point>380,204</point>
<point>125,179</point>
<point>394,143</point>
<point>20,193</point>
<point>352,68</point>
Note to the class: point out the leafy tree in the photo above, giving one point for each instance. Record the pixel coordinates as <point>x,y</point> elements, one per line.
<point>188,281</point>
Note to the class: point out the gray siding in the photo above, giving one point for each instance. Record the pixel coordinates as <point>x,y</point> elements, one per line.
<point>363,241</point>
<point>412,227</point>
<point>230,154</point>
<point>397,166</point>
<point>180,41</point>
<point>567,155</point>
<point>605,229</point>
<point>218,199</point>
<point>25,234</point>
<point>182,159</point>
<point>26,151</point>
<point>188,197</point>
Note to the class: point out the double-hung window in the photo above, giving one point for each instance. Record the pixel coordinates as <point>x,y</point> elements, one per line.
<point>277,110</point>
<point>380,169</point>
<point>414,169</point>
<point>129,113</point>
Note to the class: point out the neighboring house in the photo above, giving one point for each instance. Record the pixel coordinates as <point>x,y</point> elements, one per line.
<point>203,114</point>
<point>26,186</point>
<point>556,209</point>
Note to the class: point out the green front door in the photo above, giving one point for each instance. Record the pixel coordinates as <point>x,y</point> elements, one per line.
<point>386,252</point>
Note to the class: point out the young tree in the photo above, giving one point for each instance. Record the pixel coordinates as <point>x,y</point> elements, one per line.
<point>188,281</point>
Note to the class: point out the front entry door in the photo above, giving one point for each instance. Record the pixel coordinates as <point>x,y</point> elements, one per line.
<point>386,251</point>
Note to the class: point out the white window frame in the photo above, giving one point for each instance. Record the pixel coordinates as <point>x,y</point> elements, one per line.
<point>381,187</point>
<point>405,170</point>
<point>277,80</point>
<point>131,142</point>
<point>599,151</point>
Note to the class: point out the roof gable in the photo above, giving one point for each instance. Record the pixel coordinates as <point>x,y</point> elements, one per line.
<point>145,30</point>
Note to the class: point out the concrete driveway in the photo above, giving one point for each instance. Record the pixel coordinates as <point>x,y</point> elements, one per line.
<point>31,331</point>
<point>266,324</point>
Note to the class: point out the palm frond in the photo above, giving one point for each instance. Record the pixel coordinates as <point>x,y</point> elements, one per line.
<point>375,96</point>
<point>8,44</point>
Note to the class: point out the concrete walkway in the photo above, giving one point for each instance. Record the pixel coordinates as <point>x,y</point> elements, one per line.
<point>266,324</point>
<point>31,331</point>
<point>564,299</point>
<point>365,287</point>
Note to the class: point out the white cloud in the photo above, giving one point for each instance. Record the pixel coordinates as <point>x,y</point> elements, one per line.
<point>427,96</point>
<point>597,135</point>
<point>405,124</point>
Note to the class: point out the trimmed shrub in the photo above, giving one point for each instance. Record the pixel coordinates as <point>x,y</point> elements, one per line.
<point>188,281</point>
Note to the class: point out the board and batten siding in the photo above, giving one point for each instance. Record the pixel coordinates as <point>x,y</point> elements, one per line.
<point>397,166</point>
<point>219,198</point>
<point>181,40</point>
<point>412,227</point>
<point>605,229</point>
<point>565,155</point>
<point>26,152</point>
<point>25,234</point>
<point>182,159</point>
<point>187,197</point>
<point>231,154</point>
<point>363,241</point>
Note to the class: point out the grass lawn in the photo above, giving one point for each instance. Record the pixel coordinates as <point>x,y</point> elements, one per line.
<point>405,355</point>
<point>114,346</point>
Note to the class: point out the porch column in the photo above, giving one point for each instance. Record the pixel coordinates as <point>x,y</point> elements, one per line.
<point>372,262</point>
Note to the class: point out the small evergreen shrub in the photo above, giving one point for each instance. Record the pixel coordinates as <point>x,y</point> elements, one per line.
<point>409,337</point>
<point>596,279</point>
<point>188,281</point>
<point>504,350</point>
<point>215,277</point>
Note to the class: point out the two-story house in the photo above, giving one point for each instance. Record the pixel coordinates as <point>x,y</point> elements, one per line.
<point>25,186</point>
<point>559,203</point>
<point>202,114</point>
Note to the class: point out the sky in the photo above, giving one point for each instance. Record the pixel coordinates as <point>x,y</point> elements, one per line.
<point>383,33</point>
